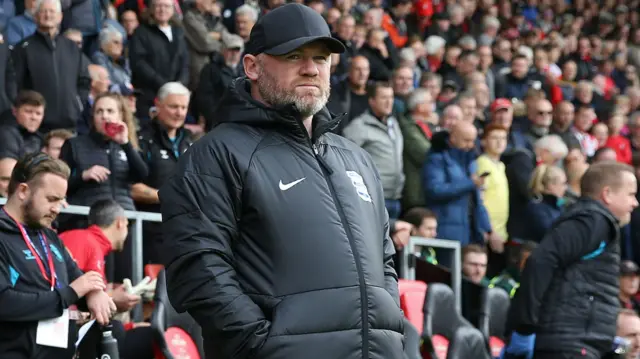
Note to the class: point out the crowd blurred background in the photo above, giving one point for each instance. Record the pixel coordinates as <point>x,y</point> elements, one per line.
<point>481,116</point>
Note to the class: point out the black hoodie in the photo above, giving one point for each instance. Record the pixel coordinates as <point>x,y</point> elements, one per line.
<point>278,244</point>
<point>26,297</point>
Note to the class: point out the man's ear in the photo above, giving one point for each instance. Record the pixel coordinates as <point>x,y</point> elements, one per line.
<point>251,67</point>
<point>23,191</point>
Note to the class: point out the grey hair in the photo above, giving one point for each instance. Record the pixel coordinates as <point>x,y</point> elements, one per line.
<point>417,97</point>
<point>407,54</point>
<point>553,144</point>
<point>108,34</point>
<point>434,43</point>
<point>104,212</point>
<point>467,40</point>
<point>248,10</point>
<point>39,4</point>
<point>490,21</point>
<point>172,88</point>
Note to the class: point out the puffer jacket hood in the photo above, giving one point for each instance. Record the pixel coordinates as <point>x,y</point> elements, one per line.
<point>238,106</point>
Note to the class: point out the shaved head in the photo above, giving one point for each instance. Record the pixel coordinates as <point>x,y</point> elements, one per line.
<point>463,136</point>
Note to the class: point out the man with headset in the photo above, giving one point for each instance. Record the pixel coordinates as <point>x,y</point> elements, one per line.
<point>39,282</point>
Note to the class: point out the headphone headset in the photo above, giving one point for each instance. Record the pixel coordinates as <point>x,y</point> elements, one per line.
<point>29,163</point>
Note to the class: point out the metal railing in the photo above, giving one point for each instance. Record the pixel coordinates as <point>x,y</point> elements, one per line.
<point>408,270</point>
<point>136,219</point>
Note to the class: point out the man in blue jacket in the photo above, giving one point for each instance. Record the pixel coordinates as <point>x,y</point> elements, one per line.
<point>452,189</point>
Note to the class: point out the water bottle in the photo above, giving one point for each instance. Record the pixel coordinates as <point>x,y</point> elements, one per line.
<point>109,344</point>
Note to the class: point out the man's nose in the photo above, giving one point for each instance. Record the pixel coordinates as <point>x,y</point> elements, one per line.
<point>309,67</point>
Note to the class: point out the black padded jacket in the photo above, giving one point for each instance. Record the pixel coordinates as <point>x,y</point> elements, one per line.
<point>278,244</point>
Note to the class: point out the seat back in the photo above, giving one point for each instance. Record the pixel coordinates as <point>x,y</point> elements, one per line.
<point>166,317</point>
<point>411,341</point>
<point>152,270</point>
<point>498,303</point>
<point>467,342</point>
<point>441,319</point>
<point>412,300</point>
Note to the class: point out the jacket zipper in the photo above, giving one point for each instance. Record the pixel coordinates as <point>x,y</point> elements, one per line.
<point>326,172</point>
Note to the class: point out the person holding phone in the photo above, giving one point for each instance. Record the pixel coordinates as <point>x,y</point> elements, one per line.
<point>104,164</point>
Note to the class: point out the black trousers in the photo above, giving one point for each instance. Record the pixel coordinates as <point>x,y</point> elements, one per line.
<point>133,344</point>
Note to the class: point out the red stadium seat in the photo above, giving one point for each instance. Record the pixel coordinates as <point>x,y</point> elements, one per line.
<point>152,270</point>
<point>412,304</point>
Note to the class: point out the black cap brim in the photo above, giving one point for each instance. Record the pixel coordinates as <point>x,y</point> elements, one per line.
<point>334,45</point>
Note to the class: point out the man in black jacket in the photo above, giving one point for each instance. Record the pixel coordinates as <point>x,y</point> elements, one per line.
<point>35,317</point>
<point>22,136</point>
<point>53,65</point>
<point>567,303</point>
<point>276,237</point>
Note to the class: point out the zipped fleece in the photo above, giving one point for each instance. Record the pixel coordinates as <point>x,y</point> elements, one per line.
<point>278,244</point>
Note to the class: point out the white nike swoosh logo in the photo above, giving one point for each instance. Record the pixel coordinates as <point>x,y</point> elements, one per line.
<point>284,187</point>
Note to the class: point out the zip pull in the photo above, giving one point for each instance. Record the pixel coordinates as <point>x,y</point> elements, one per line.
<point>315,149</point>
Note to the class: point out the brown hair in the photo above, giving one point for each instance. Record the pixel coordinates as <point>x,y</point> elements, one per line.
<point>29,168</point>
<point>372,90</point>
<point>59,133</point>
<point>125,112</point>
<point>493,127</point>
<point>473,248</point>
<point>603,174</point>
<point>30,98</point>
<point>416,215</point>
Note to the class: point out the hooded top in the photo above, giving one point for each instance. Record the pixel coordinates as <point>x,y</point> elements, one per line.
<point>277,243</point>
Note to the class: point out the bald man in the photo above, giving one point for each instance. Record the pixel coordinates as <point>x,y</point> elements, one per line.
<point>452,190</point>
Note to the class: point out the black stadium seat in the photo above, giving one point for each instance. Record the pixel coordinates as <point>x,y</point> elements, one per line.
<point>493,321</point>
<point>411,341</point>
<point>441,318</point>
<point>467,343</point>
<point>165,317</point>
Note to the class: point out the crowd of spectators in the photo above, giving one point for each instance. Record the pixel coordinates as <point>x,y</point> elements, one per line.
<point>481,116</point>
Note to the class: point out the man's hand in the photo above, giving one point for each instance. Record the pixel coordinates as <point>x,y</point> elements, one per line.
<point>101,306</point>
<point>401,234</point>
<point>477,180</point>
<point>496,242</point>
<point>88,282</point>
<point>124,301</point>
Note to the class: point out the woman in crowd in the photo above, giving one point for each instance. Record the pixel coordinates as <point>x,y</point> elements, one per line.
<point>548,186</point>
<point>104,164</point>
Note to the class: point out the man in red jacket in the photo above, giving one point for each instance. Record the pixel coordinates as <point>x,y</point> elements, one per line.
<point>108,229</point>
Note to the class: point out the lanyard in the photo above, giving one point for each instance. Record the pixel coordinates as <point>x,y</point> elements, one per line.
<point>51,277</point>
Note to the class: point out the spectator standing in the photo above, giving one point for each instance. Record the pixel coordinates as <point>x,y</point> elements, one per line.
<point>52,65</point>
<point>217,75</point>
<point>417,129</point>
<point>495,193</point>
<point>377,131</point>
<point>203,33</point>
<point>105,163</point>
<point>23,136</point>
<point>452,188</point>
<point>162,143</point>
<point>158,54</point>
<point>567,303</point>
<point>350,95</point>
<point>21,26</point>
<point>39,280</point>
<point>111,56</point>
<point>547,187</point>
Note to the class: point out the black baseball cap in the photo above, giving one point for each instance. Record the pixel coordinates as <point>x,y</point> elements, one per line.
<point>628,268</point>
<point>287,28</point>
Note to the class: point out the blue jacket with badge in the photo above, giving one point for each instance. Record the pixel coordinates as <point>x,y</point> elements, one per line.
<point>451,194</point>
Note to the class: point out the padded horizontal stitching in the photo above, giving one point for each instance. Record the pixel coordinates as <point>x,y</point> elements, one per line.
<point>316,290</point>
<point>201,174</point>
<point>311,333</point>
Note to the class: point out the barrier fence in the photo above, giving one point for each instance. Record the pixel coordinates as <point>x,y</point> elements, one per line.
<point>408,269</point>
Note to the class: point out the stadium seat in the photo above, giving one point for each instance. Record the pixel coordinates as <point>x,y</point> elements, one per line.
<point>412,300</point>
<point>467,342</point>
<point>411,341</point>
<point>441,320</point>
<point>175,335</point>
<point>493,321</point>
<point>152,270</point>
